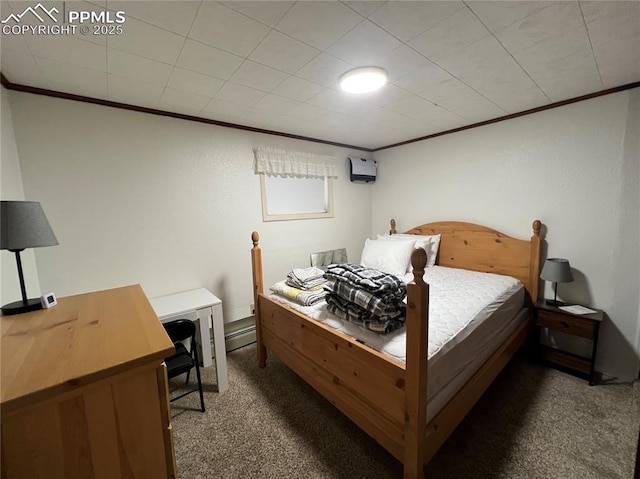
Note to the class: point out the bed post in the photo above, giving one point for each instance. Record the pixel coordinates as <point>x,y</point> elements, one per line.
<point>534,261</point>
<point>392,231</point>
<point>256,267</point>
<point>415,393</point>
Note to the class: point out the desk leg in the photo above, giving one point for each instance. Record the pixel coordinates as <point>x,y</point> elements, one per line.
<point>219,347</point>
<point>205,340</point>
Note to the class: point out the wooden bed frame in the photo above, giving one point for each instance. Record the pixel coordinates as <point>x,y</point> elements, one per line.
<point>384,397</point>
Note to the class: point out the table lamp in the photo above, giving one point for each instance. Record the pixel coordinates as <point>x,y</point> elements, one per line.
<point>557,270</point>
<point>23,225</point>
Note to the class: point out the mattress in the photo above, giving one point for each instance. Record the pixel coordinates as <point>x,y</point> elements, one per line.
<point>470,315</point>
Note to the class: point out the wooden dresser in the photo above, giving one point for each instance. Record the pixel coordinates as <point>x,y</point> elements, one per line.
<point>84,390</point>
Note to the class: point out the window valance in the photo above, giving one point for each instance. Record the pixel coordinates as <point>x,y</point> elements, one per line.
<point>297,164</point>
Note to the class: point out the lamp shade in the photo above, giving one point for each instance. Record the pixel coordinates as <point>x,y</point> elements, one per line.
<point>24,225</point>
<point>557,270</point>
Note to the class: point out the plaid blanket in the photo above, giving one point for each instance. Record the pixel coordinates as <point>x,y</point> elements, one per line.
<point>366,297</point>
<point>378,305</point>
<point>355,314</point>
<point>388,287</point>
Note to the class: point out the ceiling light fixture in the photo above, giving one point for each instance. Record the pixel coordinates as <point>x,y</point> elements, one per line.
<point>363,80</point>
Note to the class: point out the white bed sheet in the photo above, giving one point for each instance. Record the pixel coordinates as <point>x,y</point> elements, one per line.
<point>470,314</point>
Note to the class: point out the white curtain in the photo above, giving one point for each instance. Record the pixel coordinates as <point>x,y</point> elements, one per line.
<point>297,164</point>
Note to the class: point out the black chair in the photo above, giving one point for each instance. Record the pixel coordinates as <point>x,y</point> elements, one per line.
<point>184,360</point>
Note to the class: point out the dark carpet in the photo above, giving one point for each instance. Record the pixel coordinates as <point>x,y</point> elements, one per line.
<point>533,422</point>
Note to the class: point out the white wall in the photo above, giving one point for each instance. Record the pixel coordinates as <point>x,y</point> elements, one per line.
<point>575,168</point>
<point>167,203</point>
<point>11,189</point>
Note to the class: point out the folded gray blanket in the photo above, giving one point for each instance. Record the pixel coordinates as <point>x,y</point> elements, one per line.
<point>305,278</point>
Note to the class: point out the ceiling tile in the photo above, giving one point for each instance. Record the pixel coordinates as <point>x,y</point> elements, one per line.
<point>614,31</point>
<point>69,50</point>
<point>133,92</point>
<point>558,64</point>
<point>227,29</point>
<point>258,76</point>
<point>608,21</point>
<point>364,44</point>
<point>208,60</point>
<point>242,95</point>
<point>298,88</point>
<point>258,118</point>
<point>87,36</point>
<point>276,104</point>
<point>194,82</point>
<point>307,112</point>
<point>223,110</point>
<point>21,68</point>
<point>282,52</point>
<point>472,106</point>
<point>432,83</point>
<point>389,94</point>
<point>496,15</point>
<point>147,41</point>
<point>407,20</point>
<point>618,62</point>
<point>394,120</point>
<point>359,108</point>
<point>509,87</point>
<point>176,17</point>
<point>401,62</point>
<point>553,20</point>
<point>15,43</point>
<point>325,70</point>
<point>138,68</point>
<point>269,13</point>
<point>67,78</point>
<point>318,23</point>
<point>330,99</point>
<point>364,8</point>
<point>413,107</point>
<point>450,35</point>
<point>482,56</point>
<point>182,101</point>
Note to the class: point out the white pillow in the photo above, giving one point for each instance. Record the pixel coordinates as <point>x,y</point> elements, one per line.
<point>433,241</point>
<point>387,256</point>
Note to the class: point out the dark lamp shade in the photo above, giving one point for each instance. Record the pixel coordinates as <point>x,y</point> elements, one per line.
<point>557,270</point>
<point>24,225</point>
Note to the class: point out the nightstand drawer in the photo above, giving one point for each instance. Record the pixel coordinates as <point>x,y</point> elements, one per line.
<point>567,324</point>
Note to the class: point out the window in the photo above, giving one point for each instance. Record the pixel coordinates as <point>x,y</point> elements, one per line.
<point>295,185</point>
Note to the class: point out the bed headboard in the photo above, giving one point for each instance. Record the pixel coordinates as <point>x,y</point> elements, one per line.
<point>478,248</point>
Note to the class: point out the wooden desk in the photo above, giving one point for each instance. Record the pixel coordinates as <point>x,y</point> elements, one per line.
<point>84,390</point>
<point>205,308</point>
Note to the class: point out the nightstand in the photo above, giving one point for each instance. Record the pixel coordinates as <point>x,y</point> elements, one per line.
<point>582,325</point>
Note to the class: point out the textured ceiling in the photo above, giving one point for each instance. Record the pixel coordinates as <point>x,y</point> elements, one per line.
<point>275,65</point>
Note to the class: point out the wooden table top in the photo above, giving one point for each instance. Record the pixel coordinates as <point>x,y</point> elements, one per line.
<point>82,339</point>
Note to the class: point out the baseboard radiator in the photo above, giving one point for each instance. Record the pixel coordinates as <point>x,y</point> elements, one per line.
<point>239,333</point>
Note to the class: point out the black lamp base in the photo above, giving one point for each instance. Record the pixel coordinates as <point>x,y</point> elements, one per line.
<point>19,307</point>
<point>554,302</point>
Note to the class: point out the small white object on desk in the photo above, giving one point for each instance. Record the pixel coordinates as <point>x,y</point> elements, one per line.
<point>208,310</point>
<point>577,309</point>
